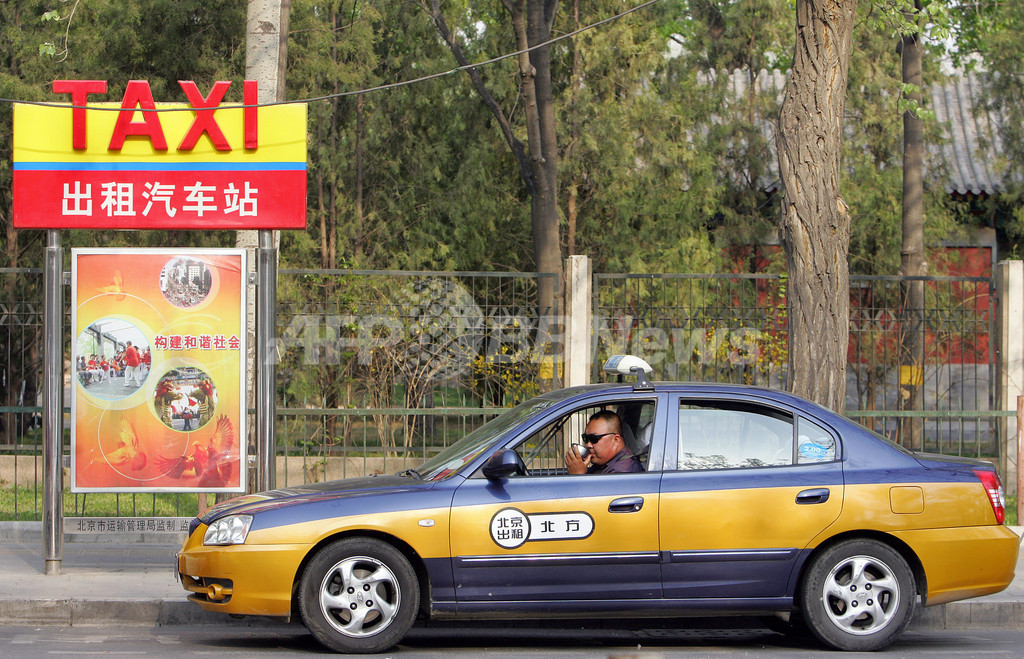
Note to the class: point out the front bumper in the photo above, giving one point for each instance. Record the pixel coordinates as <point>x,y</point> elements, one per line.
<point>240,579</point>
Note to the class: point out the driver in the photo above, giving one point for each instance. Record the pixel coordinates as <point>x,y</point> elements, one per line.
<point>608,453</point>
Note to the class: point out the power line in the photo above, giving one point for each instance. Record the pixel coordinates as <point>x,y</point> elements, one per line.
<point>356,92</point>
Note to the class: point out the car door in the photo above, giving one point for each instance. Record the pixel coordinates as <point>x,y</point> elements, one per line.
<point>550,537</point>
<point>746,488</point>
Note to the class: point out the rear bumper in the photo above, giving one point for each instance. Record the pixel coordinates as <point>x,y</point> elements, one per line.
<point>960,563</point>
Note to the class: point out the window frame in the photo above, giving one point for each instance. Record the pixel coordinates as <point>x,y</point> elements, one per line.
<point>672,447</point>
<point>656,448</point>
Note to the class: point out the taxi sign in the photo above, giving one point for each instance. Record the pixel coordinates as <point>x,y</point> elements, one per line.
<point>139,164</point>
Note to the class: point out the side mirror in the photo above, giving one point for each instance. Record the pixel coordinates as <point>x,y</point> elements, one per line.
<point>503,464</point>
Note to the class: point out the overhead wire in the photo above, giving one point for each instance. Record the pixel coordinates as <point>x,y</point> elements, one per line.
<point>356,92</point>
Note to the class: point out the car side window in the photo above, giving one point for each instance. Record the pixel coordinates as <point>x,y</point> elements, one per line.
<point>814,443</point>
<point>728,435</point>
<point>543,451</point>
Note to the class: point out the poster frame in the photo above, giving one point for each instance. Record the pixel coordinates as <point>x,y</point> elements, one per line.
<point>238,415</point>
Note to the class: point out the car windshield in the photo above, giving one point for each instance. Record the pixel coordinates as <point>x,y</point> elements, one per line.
<point>455,456</point>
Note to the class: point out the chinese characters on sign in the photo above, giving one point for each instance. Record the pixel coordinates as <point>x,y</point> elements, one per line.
<point>193,342</point>
<point>112,525</point>
<point>108,165</point>
<point>120,199</point>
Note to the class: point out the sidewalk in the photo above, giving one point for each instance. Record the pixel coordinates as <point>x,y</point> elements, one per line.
<point>131,582</point>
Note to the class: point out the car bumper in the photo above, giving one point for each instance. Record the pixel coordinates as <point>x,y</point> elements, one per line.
<point>240,579</point>
<point>964,562</point>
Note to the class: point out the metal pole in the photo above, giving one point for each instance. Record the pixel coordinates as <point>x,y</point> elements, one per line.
<point>1020,452</point>
<point>266,359</point>
<point>53,405</point>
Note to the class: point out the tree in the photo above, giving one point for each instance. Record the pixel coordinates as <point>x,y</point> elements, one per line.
<point>725,41</point>
<point>1004,87</point>
<point>815,222</point>
<point>913,263</point>
<point>531,22</point>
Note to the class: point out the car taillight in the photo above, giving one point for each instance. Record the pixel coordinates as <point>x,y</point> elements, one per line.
<point>994,490</point>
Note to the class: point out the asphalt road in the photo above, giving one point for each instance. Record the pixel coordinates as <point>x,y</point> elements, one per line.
<point>446,641</point>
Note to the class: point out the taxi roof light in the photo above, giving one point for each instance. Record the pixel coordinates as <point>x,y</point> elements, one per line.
<point>622,365</point>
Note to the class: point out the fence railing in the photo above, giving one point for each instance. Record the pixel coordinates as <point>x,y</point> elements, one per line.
<point>923,375</point>
<point>379,370</point>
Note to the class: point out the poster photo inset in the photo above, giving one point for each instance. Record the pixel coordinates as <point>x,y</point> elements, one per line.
<point>185,398</point>
<point>186,281</point>
<point>112,359</point>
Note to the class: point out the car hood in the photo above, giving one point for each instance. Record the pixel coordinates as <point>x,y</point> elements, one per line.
<point>348,488</point>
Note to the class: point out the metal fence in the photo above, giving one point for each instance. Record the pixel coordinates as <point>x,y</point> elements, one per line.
<point>21,325</point>
<point>721,327</point>
<point>378,370</point>
<point>922,374</point>
<point>925,375</point>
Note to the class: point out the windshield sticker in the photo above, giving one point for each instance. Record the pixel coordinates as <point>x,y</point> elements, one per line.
<point>511,527</point>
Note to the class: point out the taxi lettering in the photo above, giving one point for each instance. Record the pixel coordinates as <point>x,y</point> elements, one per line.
<point>139,96</point>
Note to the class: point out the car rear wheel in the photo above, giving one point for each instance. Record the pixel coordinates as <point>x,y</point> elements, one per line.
<point>359,595</point>
<point>858,595</point>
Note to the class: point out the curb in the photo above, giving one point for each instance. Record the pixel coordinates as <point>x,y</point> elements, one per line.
<point>970,614</point>
<point>32,533</point>
<point>956,616</point>
<point>119,613</point>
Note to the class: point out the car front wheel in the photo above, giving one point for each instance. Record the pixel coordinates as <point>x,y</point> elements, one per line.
<point>359,595</point>
<point>858,595</point>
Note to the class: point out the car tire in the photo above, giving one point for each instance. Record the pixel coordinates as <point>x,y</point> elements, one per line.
<point>858,595</point>
<point>359,595</point>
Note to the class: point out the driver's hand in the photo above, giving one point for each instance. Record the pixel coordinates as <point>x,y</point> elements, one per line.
<point>574,463</point>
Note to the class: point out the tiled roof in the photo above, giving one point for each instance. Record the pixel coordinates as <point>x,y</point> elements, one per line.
<point>973,142</point>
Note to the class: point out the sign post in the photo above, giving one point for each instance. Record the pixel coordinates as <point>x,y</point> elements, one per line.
<point>53,406</point>
<point>138,164</point>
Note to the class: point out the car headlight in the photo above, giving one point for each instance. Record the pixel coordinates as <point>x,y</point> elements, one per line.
<point>228,530</point>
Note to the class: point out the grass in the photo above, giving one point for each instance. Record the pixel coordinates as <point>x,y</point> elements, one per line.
<point>29,504</point>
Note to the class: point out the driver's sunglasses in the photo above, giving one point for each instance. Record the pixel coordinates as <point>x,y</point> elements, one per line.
<point>593,439</point>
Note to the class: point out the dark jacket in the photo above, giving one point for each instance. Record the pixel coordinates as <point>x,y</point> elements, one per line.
<point>624,462</point>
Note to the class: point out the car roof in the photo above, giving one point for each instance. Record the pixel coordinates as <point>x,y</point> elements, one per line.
<point>694,388</point>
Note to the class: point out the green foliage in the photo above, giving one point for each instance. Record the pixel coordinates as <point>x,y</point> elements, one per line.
<point>873,155</point>
<point>1003,91</point>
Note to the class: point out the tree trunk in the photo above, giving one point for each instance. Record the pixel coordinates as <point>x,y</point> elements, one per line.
<point>531,24</point>
<point>815,222</point>
<point>912,261</point>
<point>360,237</point>
<point>540,119</point>
<point>576,81</point>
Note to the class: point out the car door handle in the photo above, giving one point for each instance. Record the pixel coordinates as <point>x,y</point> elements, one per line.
<point>626,505</point>
<point>816,495</point>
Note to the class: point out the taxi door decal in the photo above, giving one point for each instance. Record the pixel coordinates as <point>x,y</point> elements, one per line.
<point>511,527</point>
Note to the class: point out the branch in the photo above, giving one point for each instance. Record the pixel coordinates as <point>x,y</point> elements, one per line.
<point>518,150</point>
<point>49,48</point>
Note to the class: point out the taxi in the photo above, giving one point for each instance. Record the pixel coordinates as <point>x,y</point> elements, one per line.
<point>746,501</point>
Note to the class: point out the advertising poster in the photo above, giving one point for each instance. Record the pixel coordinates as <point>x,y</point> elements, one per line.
<point>158,370</point>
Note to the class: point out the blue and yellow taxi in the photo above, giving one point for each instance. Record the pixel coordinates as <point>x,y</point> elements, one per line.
<point>738,501</point>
